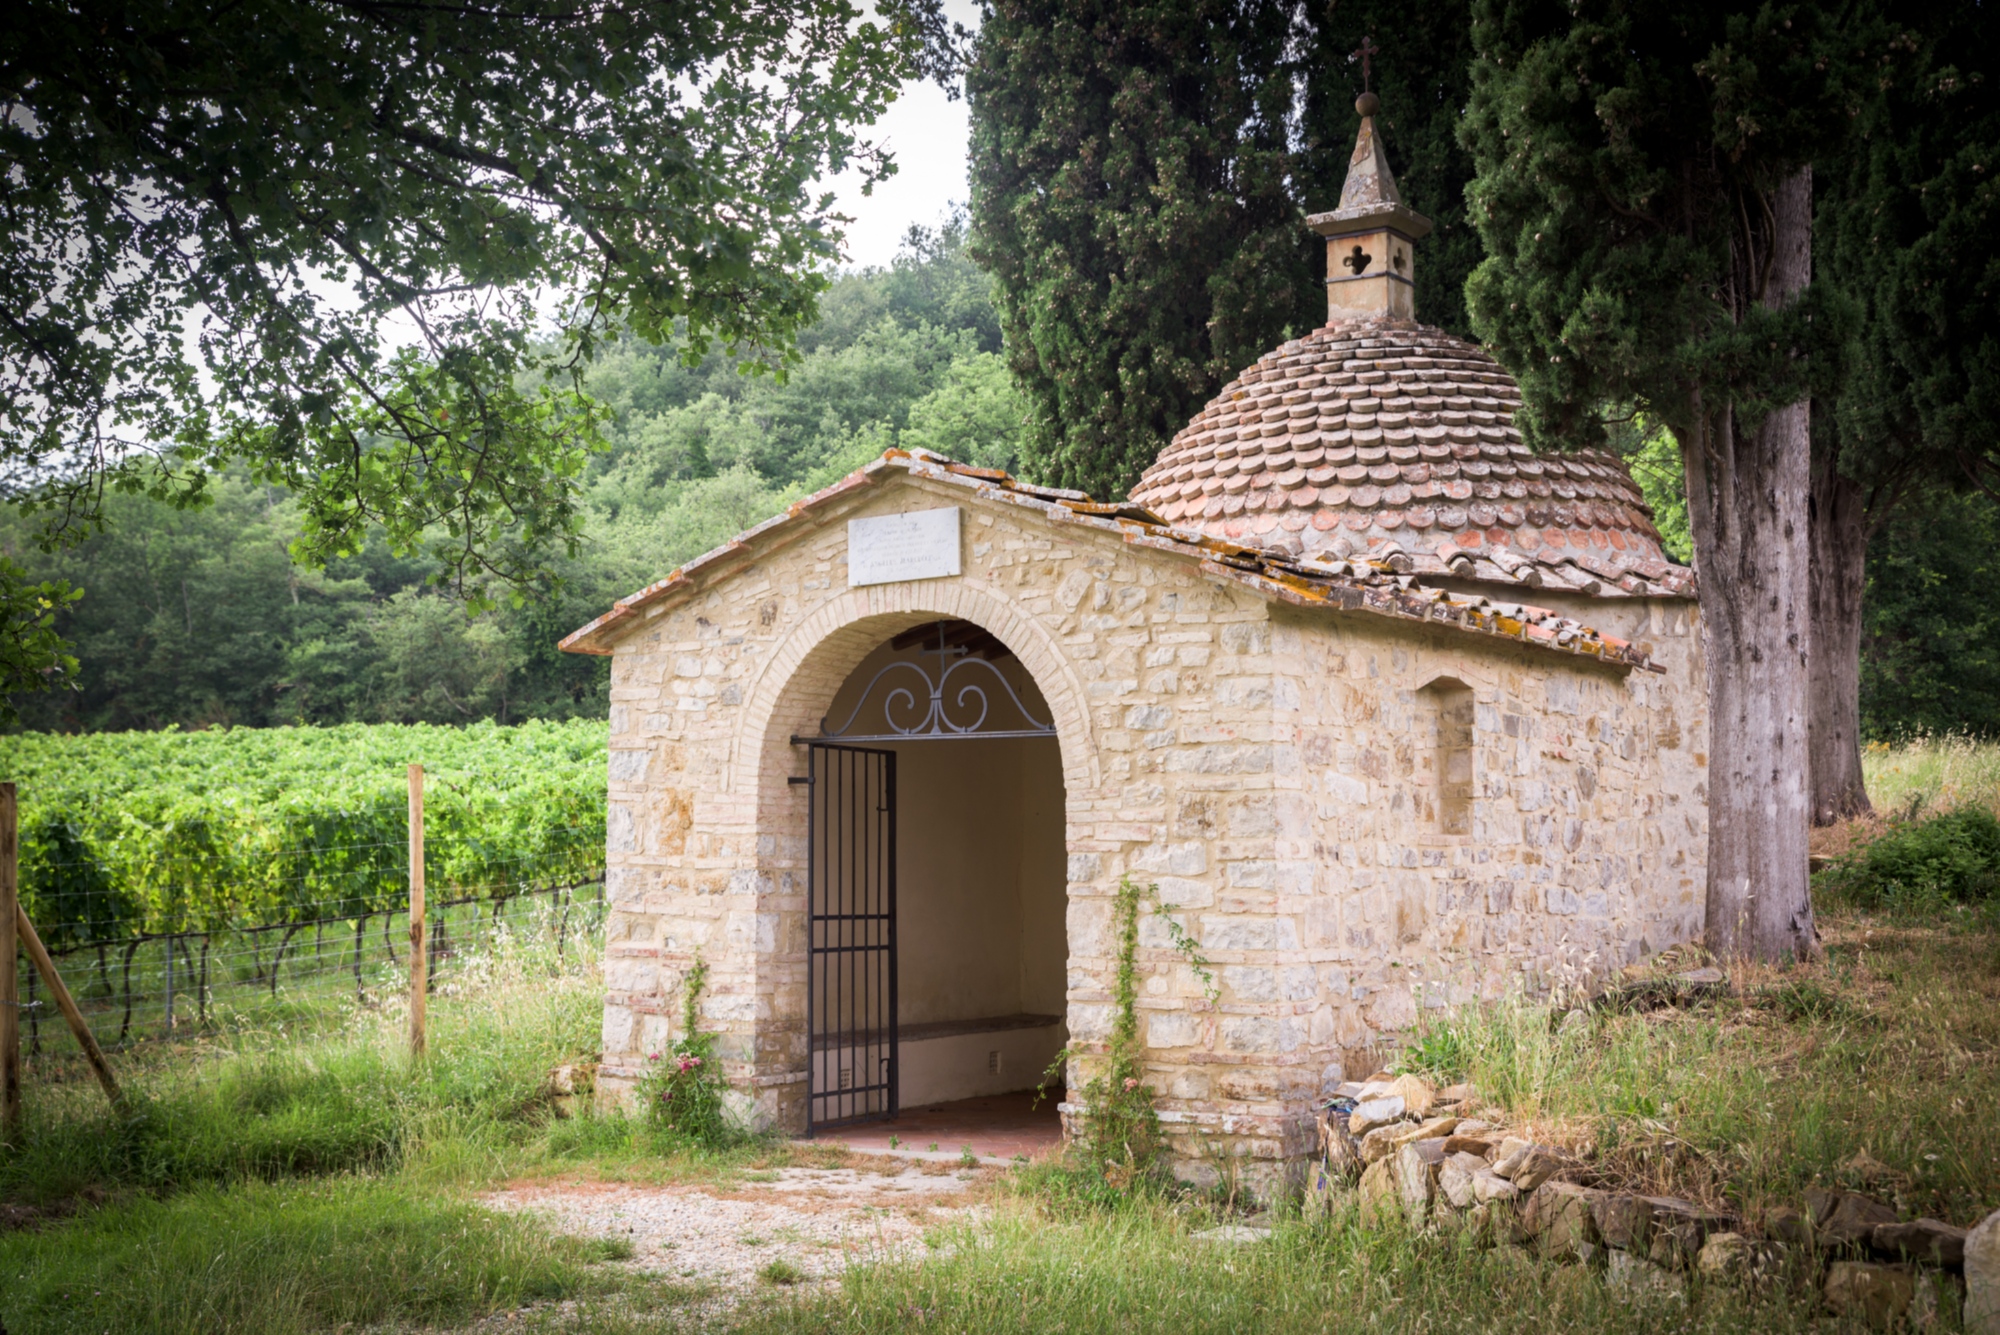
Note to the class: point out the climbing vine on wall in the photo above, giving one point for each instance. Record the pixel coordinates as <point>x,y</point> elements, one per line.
<point>683,1087</point>
<point>1119,1128</point>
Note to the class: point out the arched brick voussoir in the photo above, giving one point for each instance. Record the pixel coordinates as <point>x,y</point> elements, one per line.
<point>799,678</point>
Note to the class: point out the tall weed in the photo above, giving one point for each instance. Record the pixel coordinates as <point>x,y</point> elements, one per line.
<point>1143,1267</point>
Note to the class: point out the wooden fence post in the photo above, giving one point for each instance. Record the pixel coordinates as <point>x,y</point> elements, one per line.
<point>10,998</point>
<point>419,957</point>
<point>67,1004</point>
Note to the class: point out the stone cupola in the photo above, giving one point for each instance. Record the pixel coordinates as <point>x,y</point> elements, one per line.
<point>1380,438</point>
<point>1371,236</point>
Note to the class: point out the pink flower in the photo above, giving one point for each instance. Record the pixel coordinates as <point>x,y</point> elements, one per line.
<point>652,1056</point>
<point>1130,1084</point>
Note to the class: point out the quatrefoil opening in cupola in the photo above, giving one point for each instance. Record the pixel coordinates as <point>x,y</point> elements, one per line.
<point>1358,261</point>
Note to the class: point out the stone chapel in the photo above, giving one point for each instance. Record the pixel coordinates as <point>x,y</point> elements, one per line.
<point>1395,713</point>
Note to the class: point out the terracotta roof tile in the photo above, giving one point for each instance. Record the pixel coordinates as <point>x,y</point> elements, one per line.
<point>1402,430</point>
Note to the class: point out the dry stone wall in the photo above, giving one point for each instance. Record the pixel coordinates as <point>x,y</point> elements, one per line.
<point>1263,765</point>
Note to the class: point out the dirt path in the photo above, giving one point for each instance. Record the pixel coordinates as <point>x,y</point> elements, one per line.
<point>762,1232</point>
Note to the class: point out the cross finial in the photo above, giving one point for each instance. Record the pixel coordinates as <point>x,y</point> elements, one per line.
<point>1364,52</point>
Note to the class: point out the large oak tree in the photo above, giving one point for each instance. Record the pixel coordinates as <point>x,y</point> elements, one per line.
<point>368,247</point>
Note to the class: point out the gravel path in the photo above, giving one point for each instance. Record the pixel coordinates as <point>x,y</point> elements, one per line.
<point>817,1221</point>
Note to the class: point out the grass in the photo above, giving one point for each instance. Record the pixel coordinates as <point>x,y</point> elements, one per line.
<point>1891,1045</point>
<point>268,1181</point>
<point>295,1256</point>
<point>254,1104</point>
<point>1138,1268</point>
<point>1932,773</point>
<point>277,1180</point>
<point>1924,866</point>
<point>781,1272</point>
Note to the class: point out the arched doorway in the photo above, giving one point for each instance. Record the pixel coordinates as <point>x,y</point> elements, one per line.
<point>936,881</point>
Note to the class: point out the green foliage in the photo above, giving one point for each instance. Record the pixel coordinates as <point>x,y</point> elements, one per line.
<point>276,1259</point>
<point>1907,224</point>
<point>1654,456</point>
<point>975,415</point>
<point>33,656</point>
<point>1138,179</point>
<point>682,1089</point>
<point>1953,858</point>
<point>931,281</point>
<point>175,831</point>
<point>507,186</point>
<point>1118,1131</point>
<point>1186,946</point>
<point>1930,651</point>
<point>1625,154</point>
<point>1129,196</point>
<point>198,617</point>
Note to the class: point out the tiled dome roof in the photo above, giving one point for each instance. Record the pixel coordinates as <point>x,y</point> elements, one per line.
<point>1375,435</point>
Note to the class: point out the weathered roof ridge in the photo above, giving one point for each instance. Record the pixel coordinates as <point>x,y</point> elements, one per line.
<point>1387,587</point>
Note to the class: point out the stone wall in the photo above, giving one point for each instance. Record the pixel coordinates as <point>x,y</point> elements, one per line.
<point>1263,764</point>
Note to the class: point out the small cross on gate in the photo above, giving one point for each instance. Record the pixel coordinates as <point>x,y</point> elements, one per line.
<point>1363,52</point>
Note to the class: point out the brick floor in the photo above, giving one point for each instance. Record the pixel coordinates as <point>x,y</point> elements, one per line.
<point>998,1127</point>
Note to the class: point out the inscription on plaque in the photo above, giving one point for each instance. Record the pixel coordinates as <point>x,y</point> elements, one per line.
<point>922,544</point>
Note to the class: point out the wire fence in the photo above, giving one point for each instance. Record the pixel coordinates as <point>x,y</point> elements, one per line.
<point>321,960</point>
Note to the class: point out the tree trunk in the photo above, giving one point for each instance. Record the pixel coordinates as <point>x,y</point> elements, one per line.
<point>1747,506</point>
<point>1839,568</point>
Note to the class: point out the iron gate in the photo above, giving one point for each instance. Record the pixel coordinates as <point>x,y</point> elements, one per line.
<point>851,935</point>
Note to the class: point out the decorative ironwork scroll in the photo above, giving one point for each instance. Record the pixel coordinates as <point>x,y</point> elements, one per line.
<point>950,702</point>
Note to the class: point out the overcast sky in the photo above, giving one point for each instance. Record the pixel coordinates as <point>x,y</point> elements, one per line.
<point>927,132</point>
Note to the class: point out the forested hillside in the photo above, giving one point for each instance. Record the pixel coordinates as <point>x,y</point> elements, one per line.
<point>197,617</point>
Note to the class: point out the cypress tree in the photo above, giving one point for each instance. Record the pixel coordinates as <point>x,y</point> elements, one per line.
<point>1644,193</point>
<point>1130,198</point>
<point>1908,225</point>
<point>1139,179</point>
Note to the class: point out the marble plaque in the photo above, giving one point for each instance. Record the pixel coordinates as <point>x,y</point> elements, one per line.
<point>922,544</point>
